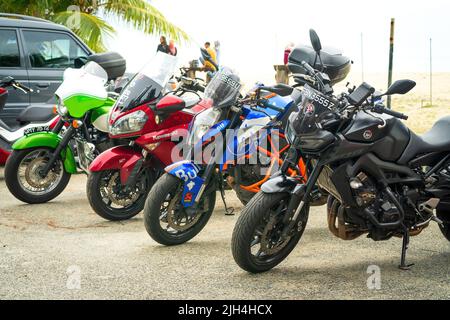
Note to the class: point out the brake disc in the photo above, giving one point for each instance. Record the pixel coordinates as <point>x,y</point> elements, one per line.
<point>34,179</point>
<point>117,198</point>
<point>268,245</point>
<point>175,215</point>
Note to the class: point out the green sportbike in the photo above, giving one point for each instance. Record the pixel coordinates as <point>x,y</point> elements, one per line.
<point>41,163</point>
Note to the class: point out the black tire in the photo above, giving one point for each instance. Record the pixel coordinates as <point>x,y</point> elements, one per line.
<point>244,196</point>
<point>14,186</point>
<point>108,212</point>
<point>445,217</point>
<point>166,185</point>
<point>250,219</point>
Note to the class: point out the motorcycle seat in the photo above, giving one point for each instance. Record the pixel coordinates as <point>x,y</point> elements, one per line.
<point>436,139</point>
<point>36,113</point>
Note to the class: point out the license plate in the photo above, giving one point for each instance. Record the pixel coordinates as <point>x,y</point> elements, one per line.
<point>36,129</point>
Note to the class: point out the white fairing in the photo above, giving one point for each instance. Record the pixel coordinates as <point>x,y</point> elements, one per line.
<point>250,127</point>
<point>12,136</point>
<point>89,81</point>
<point>101,123</point>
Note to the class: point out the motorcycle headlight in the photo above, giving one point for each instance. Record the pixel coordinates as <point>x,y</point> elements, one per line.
<point>202,123</point>
<point>61,109</point>
<point>130,123</point>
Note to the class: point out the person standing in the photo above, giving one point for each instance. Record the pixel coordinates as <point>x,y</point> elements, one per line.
<point>172,49</point>
<point>209,67</point>
<point>162,46</point>
<point>287,52</point>
<point>217,49</point>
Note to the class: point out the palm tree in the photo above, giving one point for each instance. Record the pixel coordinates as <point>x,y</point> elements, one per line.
<point>84,17</point>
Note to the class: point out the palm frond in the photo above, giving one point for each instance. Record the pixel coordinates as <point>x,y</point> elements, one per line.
<point>143,16</point>
<point>91,29</point>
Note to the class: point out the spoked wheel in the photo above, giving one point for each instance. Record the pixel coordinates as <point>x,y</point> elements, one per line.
<point>25,179</point>
<point>257,242</point>
<point>166,220</point>
<point>114,201</point>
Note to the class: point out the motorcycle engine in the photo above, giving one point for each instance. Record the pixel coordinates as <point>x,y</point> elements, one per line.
<point>364,190</point>
<point>368,197</point>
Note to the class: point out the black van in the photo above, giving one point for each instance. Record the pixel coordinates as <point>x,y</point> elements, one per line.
<point>36,52</point>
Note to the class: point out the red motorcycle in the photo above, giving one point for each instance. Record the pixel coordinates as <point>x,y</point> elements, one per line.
<point>154,117</point>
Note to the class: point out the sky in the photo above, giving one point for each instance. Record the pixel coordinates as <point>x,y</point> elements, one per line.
<point>253,34</point>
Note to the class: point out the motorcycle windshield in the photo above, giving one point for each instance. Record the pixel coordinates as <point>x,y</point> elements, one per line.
<point>148,84</point>
<point>314,107</point>
<point>90,69</point>
<point>223,89</point>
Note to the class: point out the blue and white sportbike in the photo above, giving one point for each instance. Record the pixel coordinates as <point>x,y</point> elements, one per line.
<point>226,142</point>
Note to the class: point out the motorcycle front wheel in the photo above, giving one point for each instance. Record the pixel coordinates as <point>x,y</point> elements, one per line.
<point>24,179</point>
<point>256,244</point>
<point>112,200</point>
<point>165,218</point>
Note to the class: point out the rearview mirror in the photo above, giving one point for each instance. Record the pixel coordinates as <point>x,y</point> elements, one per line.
<point>400,87</point>
<point>315,40</point>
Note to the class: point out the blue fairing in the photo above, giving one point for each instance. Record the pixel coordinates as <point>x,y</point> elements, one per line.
<point>280,102</point>
<point>188,173</point>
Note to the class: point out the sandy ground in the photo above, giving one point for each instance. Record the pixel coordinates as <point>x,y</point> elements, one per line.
<point>45,249</point>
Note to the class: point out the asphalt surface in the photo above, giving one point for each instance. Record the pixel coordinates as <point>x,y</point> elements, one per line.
<point>63,250</point>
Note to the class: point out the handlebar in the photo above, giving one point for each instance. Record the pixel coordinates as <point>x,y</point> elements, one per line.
<point>268,105</point>
<point>308,68</point>
<point>11,82</point>
<point>22,87</point>
<point>381,109</point>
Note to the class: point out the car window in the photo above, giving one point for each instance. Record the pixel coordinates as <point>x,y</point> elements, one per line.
<point>52,49</point>
<point>9,49</point>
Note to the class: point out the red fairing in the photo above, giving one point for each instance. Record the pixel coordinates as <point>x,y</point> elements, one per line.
<point>170,101</point>
<point>174,119</point>
<point>3,156</point>
<point>163,135</point>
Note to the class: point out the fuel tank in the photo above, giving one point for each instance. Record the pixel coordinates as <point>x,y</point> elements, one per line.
<point>389,139</point>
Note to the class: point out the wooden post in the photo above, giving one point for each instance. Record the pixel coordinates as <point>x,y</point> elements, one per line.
<point>281,74</point>
<point>362,57</point>
<point>391,59</point>
<point>431,72</point>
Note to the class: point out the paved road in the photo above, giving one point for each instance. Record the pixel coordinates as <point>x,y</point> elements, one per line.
<point>45,248</point>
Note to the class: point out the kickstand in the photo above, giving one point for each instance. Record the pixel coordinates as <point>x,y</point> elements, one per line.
<point>403,265</point>
<point>228,211</point>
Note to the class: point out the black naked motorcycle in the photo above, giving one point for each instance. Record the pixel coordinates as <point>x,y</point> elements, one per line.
<point>383,180</point>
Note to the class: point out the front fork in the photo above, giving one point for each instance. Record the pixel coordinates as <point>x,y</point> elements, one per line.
<point>61,146</point>
<point>301,195</point>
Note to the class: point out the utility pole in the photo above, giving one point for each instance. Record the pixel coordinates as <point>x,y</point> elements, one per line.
<point>391,59</point>
<point>431,72</point>
<point>362,56</point>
